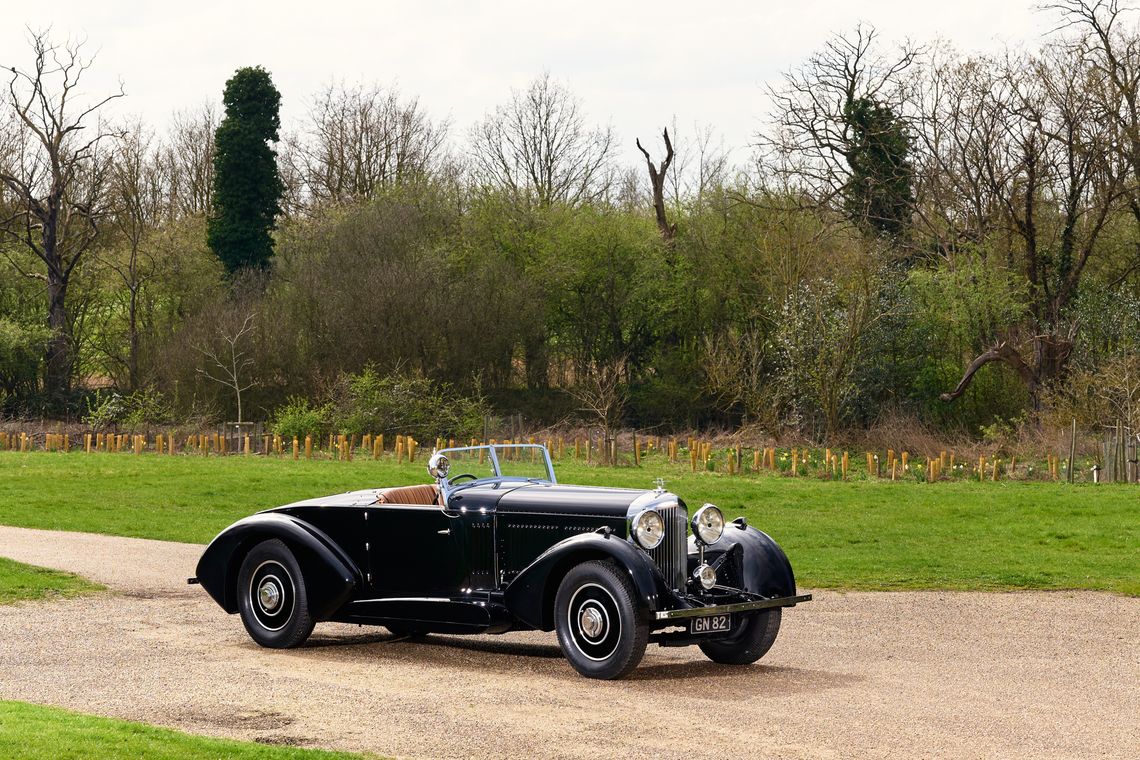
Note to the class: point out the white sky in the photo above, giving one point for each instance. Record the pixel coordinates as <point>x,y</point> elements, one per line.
<point>635,65</point>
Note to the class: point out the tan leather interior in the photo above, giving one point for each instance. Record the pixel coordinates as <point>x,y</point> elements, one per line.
<point>426,495</point>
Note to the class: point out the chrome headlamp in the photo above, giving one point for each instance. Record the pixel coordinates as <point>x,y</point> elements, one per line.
<point>708,524</point>
<point>648,529</point>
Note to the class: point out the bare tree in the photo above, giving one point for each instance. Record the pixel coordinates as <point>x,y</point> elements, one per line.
<point>54,171</point>
<point>231,363</point>
<point>603,392</point>
<point>736,368</point>
<point>538,148</point>
<point>1024,142</point>
<point>813,141</point>
<point>657,176</point>
<point>139,193</point>
<point>189,159</point>
<point>701,165</point>
<point>1111,50</point>
<point>361,139</point>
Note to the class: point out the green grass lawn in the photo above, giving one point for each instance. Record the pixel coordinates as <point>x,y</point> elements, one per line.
<point>33,732</point>
<point>858,535</point>
<point>20,582</point>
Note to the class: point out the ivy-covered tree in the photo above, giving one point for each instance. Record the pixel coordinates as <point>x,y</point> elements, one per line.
<point>879,192</point>
<point>247,188</point>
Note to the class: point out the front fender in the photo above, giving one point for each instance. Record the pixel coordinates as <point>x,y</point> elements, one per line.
<point>329,575</point>
<point>530,596</point>
<point>764,566</point>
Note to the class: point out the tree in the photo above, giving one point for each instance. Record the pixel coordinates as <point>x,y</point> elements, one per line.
<point>657,176</point>
<point>1023,142</point>
<point>602,391</point>
<point>838,139</point>
<point>54,172</point>
<point>362,140</point>
<point>189,161</point>
<point>247,187</point>
<point>539,149</point>
<point>878,192</point>
<point>138,191</point>
<point>231,363</point>
<point>1111,51</point>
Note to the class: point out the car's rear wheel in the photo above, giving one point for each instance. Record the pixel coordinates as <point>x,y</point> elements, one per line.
<point>596,617</point>
<point>272,599</point>
<point>747,645</point>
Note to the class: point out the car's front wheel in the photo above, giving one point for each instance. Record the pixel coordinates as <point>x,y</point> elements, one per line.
<point>756,635</point>
<point>272,599</point>
<point>596,616</point>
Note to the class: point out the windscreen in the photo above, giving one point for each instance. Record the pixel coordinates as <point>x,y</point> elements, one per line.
<point>514,460</point>
<point>523,462</point>
<point>474,461</point>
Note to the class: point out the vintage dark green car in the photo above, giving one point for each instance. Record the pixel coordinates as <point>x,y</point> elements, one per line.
<point>504,547</point>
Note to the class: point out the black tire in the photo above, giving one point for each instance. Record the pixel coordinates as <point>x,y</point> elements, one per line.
<point>746,646</point>
<point>272,599</point>
<point>596,616</point>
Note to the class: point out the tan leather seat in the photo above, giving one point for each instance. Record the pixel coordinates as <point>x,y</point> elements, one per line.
<point>426,495</point>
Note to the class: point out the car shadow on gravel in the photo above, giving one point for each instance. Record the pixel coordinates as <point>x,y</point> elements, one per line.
<point>454,643</point>
<point>504,655</point>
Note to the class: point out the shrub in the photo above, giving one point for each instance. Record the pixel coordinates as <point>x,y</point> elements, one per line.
<point>298,417</point>
<point>146,406</point>
<point>404,403</point>
<point>21,349</point>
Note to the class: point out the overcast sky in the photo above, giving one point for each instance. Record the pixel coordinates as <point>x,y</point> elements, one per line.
<point>634,65</point>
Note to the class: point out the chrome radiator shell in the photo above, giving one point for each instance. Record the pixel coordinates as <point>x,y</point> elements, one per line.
<point>672,554</point>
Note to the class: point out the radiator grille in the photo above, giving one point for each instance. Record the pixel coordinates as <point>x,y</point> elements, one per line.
<point>672,555</point>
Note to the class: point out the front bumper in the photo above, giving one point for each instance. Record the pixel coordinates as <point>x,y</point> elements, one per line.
<point>720,609</point>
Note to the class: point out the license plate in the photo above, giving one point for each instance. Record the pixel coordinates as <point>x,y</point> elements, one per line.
<point>711,624</point>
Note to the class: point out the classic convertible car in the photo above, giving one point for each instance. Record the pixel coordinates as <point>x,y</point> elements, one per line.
<point>503,547</point>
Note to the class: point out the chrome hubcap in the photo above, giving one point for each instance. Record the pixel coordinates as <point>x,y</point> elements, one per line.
<point>269,595</point>
<point>591,622</point>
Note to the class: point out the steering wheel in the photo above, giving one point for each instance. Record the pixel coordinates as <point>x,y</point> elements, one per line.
<point>452,481</point>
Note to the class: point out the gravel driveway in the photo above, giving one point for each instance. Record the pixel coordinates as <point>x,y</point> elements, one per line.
<point>852,675</point>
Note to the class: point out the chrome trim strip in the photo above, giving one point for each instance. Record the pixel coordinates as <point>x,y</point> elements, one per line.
<point>720,609</point>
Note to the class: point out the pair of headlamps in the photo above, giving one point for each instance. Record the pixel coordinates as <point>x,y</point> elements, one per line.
<point>649,527</point>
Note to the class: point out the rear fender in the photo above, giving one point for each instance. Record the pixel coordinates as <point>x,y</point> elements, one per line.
<point>330,576</point>
<point>530,596</point>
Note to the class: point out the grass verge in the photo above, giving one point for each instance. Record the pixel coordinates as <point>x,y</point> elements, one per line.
<point>856,535</point>
<point>35,732</point>
<point>20,582</point>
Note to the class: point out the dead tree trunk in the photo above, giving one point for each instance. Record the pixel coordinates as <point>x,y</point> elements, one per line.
<point>1050,354</point>
<point>657,180</point>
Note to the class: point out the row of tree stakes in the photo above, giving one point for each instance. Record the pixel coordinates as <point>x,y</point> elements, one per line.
<point>701,455</point>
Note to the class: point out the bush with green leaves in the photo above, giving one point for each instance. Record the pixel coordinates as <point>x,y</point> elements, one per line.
<point>299,417</point>
<point>408,403</point>
<point>21,351</point>
<point>146,406</point>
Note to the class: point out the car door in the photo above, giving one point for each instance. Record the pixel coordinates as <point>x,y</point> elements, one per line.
<point>415,551</point>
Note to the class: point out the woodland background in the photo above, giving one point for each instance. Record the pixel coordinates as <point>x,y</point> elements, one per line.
<point>920,238</point>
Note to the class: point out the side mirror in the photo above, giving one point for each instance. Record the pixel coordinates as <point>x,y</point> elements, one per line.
<point>438,466</point>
